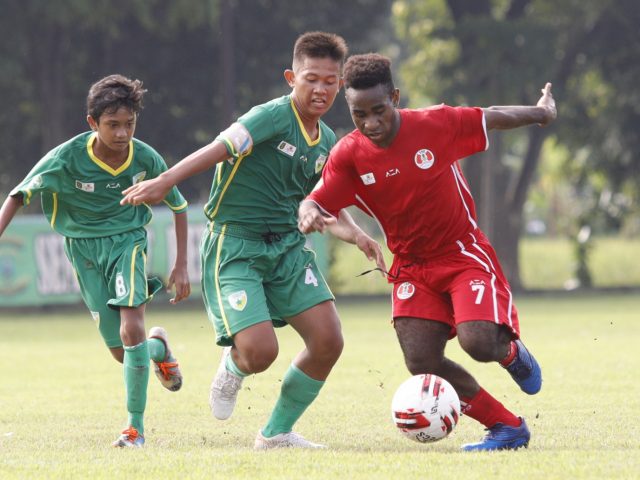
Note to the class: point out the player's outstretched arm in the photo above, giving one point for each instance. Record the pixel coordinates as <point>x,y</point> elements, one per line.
<point>312,219</point>
<point>348,231</point>
<point>514,116</point>
<point>9,208</point>
<point>154,190</point>
<point>179,276</point>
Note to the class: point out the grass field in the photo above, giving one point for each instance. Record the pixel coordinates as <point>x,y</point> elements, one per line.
<point>61,403</point>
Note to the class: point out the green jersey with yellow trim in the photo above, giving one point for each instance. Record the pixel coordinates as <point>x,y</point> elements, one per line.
<point>262,190</point>
<point>81,194</point>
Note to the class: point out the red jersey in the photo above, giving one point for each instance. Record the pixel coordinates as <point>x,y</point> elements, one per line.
<point>414,188</point>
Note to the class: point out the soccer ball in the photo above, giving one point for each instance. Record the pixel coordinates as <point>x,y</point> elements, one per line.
<point>425,408</point>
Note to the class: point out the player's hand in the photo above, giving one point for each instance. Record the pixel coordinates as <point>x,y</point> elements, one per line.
<point>372,250</point>
<point>311,219</point>
<point>549,104</point>
<point>148,191</point>
<point>179,279</point>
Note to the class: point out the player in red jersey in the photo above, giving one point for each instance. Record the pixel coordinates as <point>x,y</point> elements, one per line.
<point>401,167</point>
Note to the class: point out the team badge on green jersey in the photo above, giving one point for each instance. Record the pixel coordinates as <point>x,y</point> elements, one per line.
<point>287,148</point>
<point>138,177</point>
<point>238,300</point>
<point>36,182</point>
<point>322,159</point>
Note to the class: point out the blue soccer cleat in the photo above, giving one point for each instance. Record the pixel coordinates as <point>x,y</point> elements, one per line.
<point>502,437</point>
<point>524,369</point>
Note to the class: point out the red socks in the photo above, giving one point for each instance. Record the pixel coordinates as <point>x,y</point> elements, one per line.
<point>487,410</point>
<point>513,349</point>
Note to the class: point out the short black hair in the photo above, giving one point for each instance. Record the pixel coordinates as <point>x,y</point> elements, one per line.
<point>368,70</point>
<point>320,45</point>
<point>112,92</point>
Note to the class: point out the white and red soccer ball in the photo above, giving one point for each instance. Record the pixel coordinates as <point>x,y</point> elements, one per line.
<point>425,408</point>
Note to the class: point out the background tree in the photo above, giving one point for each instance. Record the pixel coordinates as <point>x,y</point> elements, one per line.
<point>490,52</point>
<point>52,51</point>
<point>207,61</point>
<point>203,61</point>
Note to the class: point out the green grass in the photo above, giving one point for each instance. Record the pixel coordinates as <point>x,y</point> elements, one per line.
<point>545,263</point>
<point>61,402</point>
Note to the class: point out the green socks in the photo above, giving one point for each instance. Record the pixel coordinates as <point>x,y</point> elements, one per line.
<point>136,379</point>
<point>297,393</point>
<point>157,349</point>
<point>233,368</point>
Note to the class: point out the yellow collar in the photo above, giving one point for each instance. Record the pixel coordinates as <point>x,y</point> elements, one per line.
<point>103,165</point>
<point>310,142</point>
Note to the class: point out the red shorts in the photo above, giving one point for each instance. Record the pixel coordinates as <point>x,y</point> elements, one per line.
<point>463,286</point>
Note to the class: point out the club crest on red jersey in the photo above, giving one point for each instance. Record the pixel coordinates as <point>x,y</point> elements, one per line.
<point>424,158</point>
<point>406,290</point>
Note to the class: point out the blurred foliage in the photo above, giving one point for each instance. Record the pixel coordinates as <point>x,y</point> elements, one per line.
<point>492,52</point>
<point>502,52</point>
<point>205,62</point>
<point>51,52</point>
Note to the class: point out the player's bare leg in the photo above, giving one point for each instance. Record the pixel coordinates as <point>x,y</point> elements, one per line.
<point>132,325</point>
<point>423,343</point>
<point>487,342</point>
<point>255,348</point>
<point>484,341</point>
<point>320,329</point>
<point>117,353</point>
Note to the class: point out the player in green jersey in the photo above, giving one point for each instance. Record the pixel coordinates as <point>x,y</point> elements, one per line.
<point>256,271</point>
<point>80,183</point>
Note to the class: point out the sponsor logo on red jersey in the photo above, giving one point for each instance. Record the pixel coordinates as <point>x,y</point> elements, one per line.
<point>368,179</point>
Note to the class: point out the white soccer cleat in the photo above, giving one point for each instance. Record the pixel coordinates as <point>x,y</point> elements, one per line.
<point>224,389</point>
<point>284,440</point>
<point>167,371</point>
<point>130,438</point>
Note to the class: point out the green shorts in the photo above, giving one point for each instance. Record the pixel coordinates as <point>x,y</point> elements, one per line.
<point>111,272</point>
<point>248,279</point>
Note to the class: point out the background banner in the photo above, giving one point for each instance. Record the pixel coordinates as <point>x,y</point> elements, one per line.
<point>34,270</point>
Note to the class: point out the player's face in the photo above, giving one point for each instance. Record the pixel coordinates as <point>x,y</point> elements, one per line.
<point>115,129</point>
<point>373,111</point>
<point>315,83</point>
